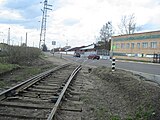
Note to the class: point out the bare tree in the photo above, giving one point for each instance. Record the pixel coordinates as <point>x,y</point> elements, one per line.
<point>128,24</point>
<point>106,31</point>
<point>105,35</point>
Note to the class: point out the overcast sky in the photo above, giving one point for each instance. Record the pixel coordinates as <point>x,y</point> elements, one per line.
<point>72,22</point>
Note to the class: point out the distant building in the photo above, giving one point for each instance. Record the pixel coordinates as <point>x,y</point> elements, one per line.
<point>138,45</point>
<point>85,51</point>
<point>90,49</point>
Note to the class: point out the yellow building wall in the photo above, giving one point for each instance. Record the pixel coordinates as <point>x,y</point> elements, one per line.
<point>136,50</point>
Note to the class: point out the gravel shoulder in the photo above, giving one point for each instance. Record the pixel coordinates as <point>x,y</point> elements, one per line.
<point>119,95</point>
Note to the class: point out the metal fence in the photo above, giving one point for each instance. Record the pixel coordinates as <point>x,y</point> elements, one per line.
<point>103,52</point>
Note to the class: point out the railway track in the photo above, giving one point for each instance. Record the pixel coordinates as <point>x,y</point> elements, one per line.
<point>40,98</point>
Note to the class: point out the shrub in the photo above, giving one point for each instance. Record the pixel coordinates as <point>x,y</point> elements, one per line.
<point>17,54</point>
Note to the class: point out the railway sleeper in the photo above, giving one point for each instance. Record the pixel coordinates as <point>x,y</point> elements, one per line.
<point>75,98</point>
<point>54,99</point>
<point>42,97</point>
<point>36,93</point>
<point>73,92</point>
<point>71,109</point>
<point>46,87</point>
<point>28,99</point>
<point>20,117</point>
<point>40,90</point>
<point>27,112</point>
<point>55,80</point>
<point>72,105</point>
<point>71,88</point>
<point>51,82</point>
<point>60,77</point>
<point>25,105</point>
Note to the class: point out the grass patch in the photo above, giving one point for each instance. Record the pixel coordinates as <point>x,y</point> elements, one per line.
<point>32,71</point>
<point>142,113</point>
<point>2,84</point>
<point>28,71</point>
<point>7,67</point>
<point>20,75</point>
<point>115,118</point>
<point>101,113</point>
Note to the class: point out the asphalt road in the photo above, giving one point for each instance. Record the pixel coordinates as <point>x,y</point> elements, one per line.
<point>127,65</point>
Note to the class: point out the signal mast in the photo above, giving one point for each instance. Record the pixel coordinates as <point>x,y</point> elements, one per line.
<point>43,23</point>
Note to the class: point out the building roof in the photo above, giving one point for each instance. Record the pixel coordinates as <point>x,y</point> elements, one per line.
<point>75,48</point>
<point>138,36</point>
<point>92,46</point>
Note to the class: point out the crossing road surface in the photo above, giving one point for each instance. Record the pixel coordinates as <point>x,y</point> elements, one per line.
<point>135,66</point>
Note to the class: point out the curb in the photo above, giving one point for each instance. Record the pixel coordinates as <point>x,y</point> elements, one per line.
<point>138,62</point>
<point>149,77</point>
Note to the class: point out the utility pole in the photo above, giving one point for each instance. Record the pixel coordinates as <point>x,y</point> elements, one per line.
<point>26,39</point>
<point>44,21</point>
<point>8,41</point>
<point>21,41</point>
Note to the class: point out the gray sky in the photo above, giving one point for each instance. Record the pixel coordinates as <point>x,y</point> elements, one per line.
<point>75,21</point>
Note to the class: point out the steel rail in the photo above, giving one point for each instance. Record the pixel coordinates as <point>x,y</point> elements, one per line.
<point>13,90</point>
<point>54,110</point>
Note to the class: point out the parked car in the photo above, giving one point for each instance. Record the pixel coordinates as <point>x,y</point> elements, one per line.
<point>76,55</point>
<point>94,56</point>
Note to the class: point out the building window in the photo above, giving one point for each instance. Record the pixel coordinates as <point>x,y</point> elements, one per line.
<point>138,45</point>
<point>153,44</point>
<point>145,45</point>
<point>127,45</point>
<point>122,45</point>
<point>132,45</point>
<point>117,46</point>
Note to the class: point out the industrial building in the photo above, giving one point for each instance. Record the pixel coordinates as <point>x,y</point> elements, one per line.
<point>144,45</point>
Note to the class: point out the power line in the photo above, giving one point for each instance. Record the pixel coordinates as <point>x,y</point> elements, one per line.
<point>44,22</point>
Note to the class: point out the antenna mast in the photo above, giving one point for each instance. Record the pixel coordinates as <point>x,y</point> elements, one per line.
<point>43,24</point>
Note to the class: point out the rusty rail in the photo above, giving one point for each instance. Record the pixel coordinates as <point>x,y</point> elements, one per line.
<point>54,110</point>
<point>22,86</point>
